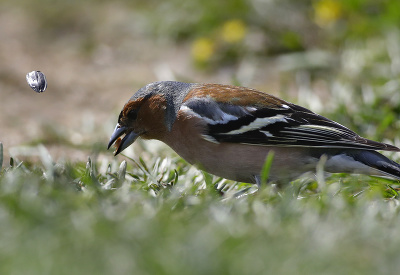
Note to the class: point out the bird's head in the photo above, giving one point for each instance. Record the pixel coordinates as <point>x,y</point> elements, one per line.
<point>149,113</point>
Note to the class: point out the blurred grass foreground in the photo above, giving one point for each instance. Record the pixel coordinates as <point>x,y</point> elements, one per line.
<point>67,206</point>
<point>60,218</point>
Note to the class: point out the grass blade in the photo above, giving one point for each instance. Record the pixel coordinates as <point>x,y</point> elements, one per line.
<point>1,156</point>
<point>267,167</point>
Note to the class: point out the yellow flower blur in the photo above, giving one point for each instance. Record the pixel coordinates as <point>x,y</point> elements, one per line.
<point>327,12</point>
<point>203,49</point>
<point>233,31</point>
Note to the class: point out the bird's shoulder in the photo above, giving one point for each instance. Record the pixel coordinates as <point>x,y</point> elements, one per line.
<point>233,95</point>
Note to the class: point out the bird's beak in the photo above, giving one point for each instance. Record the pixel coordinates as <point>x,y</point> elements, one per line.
<point>121,144</point>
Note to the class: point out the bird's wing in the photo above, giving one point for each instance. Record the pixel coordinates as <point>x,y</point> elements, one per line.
<point>247,116</point>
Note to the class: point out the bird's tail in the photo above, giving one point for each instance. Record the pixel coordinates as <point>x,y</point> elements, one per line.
<point>378,162</point>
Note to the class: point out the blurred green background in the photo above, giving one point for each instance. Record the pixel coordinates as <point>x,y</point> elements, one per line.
<point>62,214</point>
<point>339,58</point>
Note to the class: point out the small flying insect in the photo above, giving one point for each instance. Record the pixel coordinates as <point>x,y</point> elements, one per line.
<point>37,81</point>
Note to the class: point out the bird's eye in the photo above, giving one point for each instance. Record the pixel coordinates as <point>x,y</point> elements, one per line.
<point>132,114</point>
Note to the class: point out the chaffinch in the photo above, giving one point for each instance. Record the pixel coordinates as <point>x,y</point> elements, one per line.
<point>228,131</point>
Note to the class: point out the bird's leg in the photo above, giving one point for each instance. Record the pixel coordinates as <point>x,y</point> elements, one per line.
<point>257,180</point>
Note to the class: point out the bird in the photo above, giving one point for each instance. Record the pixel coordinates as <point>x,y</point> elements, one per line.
<point>228,131</point>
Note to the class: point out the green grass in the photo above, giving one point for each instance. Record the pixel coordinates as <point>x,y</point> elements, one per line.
<point>161,218</point>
